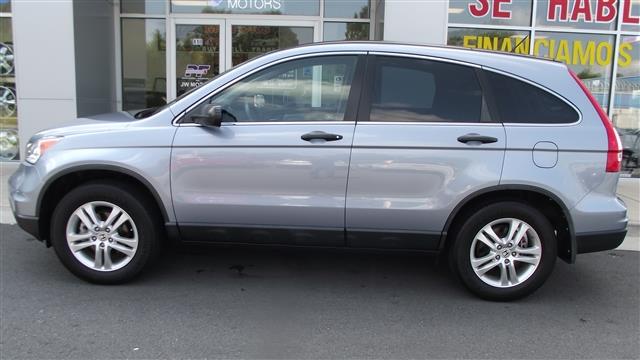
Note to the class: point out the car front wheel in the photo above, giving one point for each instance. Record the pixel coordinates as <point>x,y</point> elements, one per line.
<point>104,233</point>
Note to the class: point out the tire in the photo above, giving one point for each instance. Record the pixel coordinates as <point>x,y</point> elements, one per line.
<point>103,255</point>
<point>535,251</point>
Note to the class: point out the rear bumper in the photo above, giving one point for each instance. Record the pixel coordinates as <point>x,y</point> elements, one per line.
<point>599,241</point>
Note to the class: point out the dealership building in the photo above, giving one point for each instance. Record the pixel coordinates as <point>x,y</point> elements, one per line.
<point>64,59</point>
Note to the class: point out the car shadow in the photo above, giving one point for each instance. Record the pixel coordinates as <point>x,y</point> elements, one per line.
<point>359,271</point>
<point>342,269</point>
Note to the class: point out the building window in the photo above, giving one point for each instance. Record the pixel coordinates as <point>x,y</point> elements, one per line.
<point>626,102</point>
<point>151,7</point>
<point>630,10</point>
<point>515,41</point>
<point>5,6</point>
<point>168,47</point>
<point>251,41</point>
<point>144,77</point>
<point>577,14</point>
<point>498,13</point>
<point>580,33</point>
<point>336,31</point>
<point>355,9</point>
<point>590,56</point>
<point>9,147</point>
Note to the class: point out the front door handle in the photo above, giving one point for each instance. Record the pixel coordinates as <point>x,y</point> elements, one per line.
<point>321,135</point>
<point>473,137</point>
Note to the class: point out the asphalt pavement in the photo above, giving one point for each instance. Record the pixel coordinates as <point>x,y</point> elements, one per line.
<point>277,303</point>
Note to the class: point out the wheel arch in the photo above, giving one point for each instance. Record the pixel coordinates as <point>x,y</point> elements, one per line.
<point>60,183</point>
<point>550,204</point>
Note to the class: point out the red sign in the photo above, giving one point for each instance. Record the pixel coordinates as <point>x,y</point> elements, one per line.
<point>603,11</point>
<point>483,7</point>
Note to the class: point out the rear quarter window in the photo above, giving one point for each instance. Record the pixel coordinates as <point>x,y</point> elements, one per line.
<point>519,102</point>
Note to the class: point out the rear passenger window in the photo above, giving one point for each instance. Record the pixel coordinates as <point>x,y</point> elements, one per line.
<point>424,91</point>
<point>519,102</point>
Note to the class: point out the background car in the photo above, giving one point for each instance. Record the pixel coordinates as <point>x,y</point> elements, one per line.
<point>630,149</point>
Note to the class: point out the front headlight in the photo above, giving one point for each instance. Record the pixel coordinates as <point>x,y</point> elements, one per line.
<point>36,148</point>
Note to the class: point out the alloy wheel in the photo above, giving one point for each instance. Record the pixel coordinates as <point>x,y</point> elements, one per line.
<point>6,59</point>
<point>102,236</point>
<point>7,102</point>
<point>8,144</point>
<point>506,252</point>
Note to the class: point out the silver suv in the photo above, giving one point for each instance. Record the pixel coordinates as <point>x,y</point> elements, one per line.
<point>501,162</point>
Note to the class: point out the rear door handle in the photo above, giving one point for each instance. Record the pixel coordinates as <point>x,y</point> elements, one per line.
<point>477,138</point>
<point>321,135</point>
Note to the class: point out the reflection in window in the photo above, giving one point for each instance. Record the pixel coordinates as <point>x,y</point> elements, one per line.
<point>336,31</point>
<point>8,95</point>
<point>142,6</point>
<point>251,41</point>
<point>349,9</point>
<point>143,63</point>
<point>486,39</point>
<point>588,55</point>
<point>304,90</point>
<point>197,55</point>
<point>5,6</point>
<point>626,103</point>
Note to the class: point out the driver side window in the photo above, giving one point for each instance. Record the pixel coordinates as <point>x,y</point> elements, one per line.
<point>314,89</point>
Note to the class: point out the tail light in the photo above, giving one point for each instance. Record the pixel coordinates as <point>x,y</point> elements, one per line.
<point>614,151</point>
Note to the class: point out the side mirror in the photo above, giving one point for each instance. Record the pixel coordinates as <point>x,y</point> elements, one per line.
<point>211,116</point>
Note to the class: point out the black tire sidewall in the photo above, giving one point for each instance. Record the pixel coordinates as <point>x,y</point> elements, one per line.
<point>124,196</point>
<point>483,216</point>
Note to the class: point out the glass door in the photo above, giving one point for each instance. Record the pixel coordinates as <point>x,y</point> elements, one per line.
<point>203,48</point>
<point>251,38</point>
<point>199,53</point>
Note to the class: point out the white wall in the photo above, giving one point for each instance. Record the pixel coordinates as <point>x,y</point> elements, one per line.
<point>45,65</point>
<point>416,21</point>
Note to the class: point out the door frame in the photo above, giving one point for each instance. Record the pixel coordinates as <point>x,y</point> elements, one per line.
<point>171,44</point>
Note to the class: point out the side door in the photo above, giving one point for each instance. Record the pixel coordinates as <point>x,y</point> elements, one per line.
<point>423,142</point>
<point>276,170</point>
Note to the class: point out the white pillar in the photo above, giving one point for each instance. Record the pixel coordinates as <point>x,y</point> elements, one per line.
<point>45,65</point>
<point>416,21</point>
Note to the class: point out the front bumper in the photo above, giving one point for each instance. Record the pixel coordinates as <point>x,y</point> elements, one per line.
<point>29,224</point>
<point>599,241</point>
<point>23,192</point>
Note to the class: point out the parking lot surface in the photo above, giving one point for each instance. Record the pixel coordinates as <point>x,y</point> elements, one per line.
<point>277,303</point>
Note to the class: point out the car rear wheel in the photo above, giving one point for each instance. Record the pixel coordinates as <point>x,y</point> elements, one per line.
<point>104,233</point>
<point>504,251</point>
